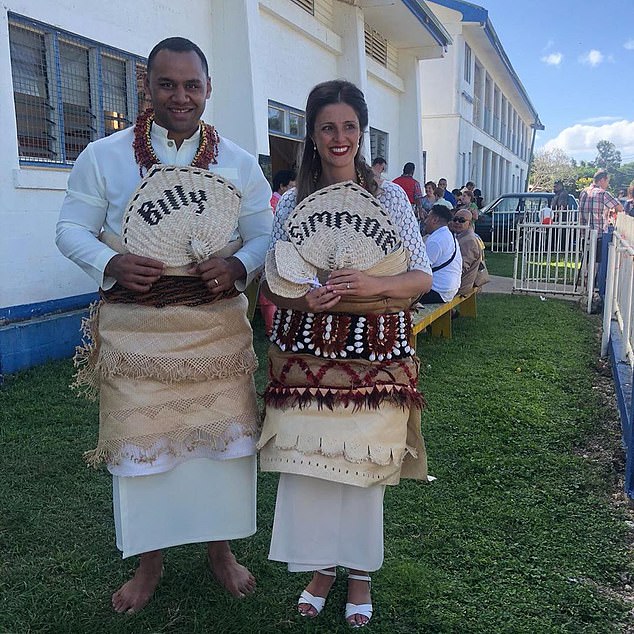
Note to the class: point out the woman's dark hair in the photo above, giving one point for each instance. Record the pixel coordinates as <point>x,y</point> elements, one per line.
<point>431,184</point>
<point>283,177</point>
<point>177,45</point>
<point>325,94</point>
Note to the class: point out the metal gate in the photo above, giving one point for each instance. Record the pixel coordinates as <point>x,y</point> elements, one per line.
<point>555,258</point>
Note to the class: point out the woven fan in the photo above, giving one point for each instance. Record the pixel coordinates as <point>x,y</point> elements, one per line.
<point>342,226</point>
<point>180,215</point>
<point>292,266</point>
<point>279,285</point>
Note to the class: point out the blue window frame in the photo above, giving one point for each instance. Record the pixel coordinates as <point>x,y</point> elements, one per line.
<point>68,91</point>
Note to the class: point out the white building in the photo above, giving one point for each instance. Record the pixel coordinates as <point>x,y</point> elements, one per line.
<point>77,75</point>
<point>478,122</point>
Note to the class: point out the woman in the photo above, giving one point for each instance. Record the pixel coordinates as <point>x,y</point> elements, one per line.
<point>465,201</point>
<point>320,521</point>
<point>429,199</point>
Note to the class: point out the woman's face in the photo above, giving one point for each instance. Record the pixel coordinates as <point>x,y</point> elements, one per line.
<point>337,134</point>
<point>429,190</point>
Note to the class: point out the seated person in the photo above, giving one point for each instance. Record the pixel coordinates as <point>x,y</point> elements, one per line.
<point>441,200</point>
<point>474,271</point>
<point>465,201</point>
<point>444,255</point>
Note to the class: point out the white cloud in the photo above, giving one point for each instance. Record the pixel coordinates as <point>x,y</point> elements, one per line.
<point>629,45</point>
<point>604,119</point>
<point>580,140</point>
<point>553,59</point>
<point>592,57</point>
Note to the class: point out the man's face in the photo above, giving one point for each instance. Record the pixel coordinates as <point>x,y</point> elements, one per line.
<point>431,223</point>
<point>179,89</point>
<point>604,182</point>
<point>442,183</point>
<point>558,187</point>
<point>460,222</point>
<point>379,168</point>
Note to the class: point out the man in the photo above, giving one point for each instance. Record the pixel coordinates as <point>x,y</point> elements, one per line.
<point>282,182</point>
<point>178,413</point>
<point>379,165</point>
<point>444,255</point>
<point>412,188</point>
<point>474,272</point>
<point>596,205</point>
<point>560,199</point>
<point>447,195</point>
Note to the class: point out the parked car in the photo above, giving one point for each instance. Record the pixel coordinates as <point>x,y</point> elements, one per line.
<point>502,215</point>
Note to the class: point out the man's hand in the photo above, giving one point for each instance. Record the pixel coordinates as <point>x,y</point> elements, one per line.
<point>134,272</point>
<point>219,274</point>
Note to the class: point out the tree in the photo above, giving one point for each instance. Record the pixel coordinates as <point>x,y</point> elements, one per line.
<point>608,157</point>
<point>549,166</point>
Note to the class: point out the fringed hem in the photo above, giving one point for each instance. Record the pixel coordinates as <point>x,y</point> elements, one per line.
<point>86,377</point>
<point>283,397</point>
<point>350,452</point>
<point>176,443</point>
<point>172,370</point>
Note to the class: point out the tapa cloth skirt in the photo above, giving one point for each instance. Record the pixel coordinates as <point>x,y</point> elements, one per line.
<point>319,524</point>
<point>200,500</point>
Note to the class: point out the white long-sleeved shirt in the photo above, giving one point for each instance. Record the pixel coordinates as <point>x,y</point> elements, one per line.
<point>106,174</point>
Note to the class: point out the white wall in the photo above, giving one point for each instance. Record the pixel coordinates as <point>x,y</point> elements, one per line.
<point>31,268</point>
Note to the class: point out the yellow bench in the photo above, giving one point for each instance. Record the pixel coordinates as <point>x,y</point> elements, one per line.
<point>438,316</point>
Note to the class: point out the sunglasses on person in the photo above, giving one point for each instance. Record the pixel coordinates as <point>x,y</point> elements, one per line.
<point>460,220</point>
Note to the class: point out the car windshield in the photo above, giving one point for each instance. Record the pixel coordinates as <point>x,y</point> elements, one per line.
<point>510,203</point>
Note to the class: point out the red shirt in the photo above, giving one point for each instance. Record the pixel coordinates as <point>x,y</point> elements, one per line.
<point>411,187</point>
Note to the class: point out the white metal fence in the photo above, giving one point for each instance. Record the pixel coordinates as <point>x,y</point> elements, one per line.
<point>553,255</point>
<point>619,288</point>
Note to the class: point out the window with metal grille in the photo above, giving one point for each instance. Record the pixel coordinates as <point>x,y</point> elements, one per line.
<point>379,143</point>
<point>307,5</point>
<point>68,90</point>
<point>375,46</point>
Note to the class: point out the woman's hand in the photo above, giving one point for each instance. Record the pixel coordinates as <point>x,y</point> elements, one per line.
<point>351,283</point>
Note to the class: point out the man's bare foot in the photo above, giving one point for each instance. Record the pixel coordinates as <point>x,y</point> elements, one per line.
<point>133,595</point>
<point>319,586</point>
<point>235,578</point>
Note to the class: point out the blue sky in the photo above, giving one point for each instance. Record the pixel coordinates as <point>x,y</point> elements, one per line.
<point>576,61</point>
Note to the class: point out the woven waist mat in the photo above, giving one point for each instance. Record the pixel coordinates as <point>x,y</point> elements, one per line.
<point>169,290</point>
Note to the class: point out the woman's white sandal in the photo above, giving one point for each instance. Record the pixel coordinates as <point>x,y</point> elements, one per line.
<point>362,609</point>
<point>315,602</point>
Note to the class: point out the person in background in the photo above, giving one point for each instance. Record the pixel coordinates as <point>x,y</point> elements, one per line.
<point>444,254</point>
<point>429,199</point>
<point>474,271</point>
<point>411,187</point>
<point>446,194</point>
<point>282,182</point>
<point>465,201</point>
<point>629,203</point>
<point>560,199</point>
<point>379,166</point>
<point>440,200</point>
<point>477,198</point>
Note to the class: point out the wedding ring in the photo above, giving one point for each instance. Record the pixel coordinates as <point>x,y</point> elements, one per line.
<point>348,287</point>
<point>216,282</point>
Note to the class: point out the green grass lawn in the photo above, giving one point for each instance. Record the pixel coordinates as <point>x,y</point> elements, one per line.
<point>519,533</point>
<point>499,263</point>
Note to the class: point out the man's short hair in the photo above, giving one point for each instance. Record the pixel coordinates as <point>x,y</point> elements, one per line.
<point>283,177</point>
<point>379,160</point>
<point>470,183</point>
<point>409,168</point>
<point>558,183</point>
<point>599,175</point>
<point>441,211</point>
<point>177,45</point>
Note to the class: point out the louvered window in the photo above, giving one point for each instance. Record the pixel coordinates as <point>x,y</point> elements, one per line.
<point>307,5</point>
<point>68,91</point>
<point>375,45</point>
